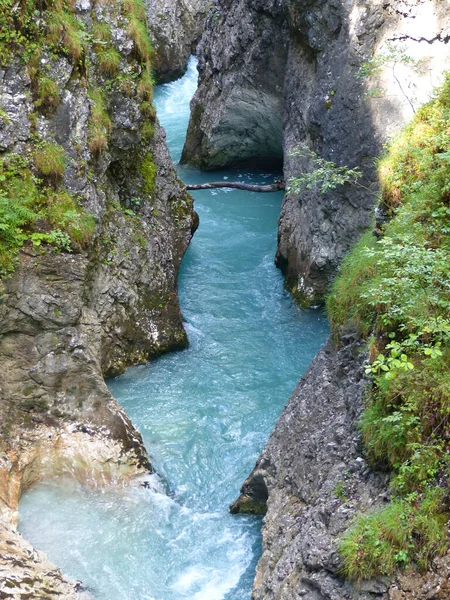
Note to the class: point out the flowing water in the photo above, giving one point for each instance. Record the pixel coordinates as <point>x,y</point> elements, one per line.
<point>205,413</point>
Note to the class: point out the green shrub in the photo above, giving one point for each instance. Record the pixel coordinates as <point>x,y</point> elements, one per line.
<point>397,288</point>
<point>410,530</point>
<point>32,212</point>
<point>64,213</point>
<point>19,197</point>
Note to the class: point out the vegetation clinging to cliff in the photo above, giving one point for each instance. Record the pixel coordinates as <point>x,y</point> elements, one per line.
<point>397,291</point>
<point>35,206</point>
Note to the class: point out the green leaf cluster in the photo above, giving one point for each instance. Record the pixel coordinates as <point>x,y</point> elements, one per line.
<point>323,175</point>
<point>32,211</point>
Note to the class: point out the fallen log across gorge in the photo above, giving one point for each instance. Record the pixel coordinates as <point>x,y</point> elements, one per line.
<point>274,187</point>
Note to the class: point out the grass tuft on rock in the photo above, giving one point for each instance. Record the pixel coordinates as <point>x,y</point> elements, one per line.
<point>109,60</point>
<point>100,124</point>
<point>49,161</point>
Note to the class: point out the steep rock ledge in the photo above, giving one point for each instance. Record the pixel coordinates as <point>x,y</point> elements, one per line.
<point>69,319</point>
<point>314,478</point>
<point>278,73</point>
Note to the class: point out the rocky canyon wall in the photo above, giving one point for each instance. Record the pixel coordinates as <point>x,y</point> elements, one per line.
<point>338,76</point>
<point>80,139</point>
<point>176,27</point>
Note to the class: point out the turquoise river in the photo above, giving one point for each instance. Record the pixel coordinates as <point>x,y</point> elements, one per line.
<point>205,413</point>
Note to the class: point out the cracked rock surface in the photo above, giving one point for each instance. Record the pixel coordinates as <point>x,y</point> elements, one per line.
<point>313,477</point>
<point>176,27</point>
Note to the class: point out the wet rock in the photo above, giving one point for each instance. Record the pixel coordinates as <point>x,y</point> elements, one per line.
<point>312,495</point>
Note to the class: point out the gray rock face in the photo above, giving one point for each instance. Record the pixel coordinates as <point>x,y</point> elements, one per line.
<point>278,73</point>
<point>69,319</point>
<point>176,27</point>
<point>315,479</point>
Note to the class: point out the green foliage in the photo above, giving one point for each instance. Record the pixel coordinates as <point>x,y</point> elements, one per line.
<point>391,55</point>
<point>324,175</point>
<point>50,161</point>
<point>19,29</point>
<point>398,287</point>
<point>135,11</point>
<point>67,34</point>
<point>148,110</point>
<point>32,212</point>
<point>64,213</point>
<point>108,57</point>
<point>410,529</point>
<point>149,171</point>
<point>344,304</point>
<point>109,60</point>
<point>47,93</point>
<point>145,86</point>
<point>18,198</point>
<point>101,33</point>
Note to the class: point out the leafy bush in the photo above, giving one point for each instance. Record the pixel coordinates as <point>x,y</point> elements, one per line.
<point>411,529</point>
<point>324,175</point>
<point>398,289</point>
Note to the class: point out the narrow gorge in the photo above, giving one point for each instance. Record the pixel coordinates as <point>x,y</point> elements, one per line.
<point>125,485</point>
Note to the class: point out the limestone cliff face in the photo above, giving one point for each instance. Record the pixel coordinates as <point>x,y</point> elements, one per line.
<point>314,477</point>
<point>176,27</point>
<point>275,74</point>
<point>67,319</point>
